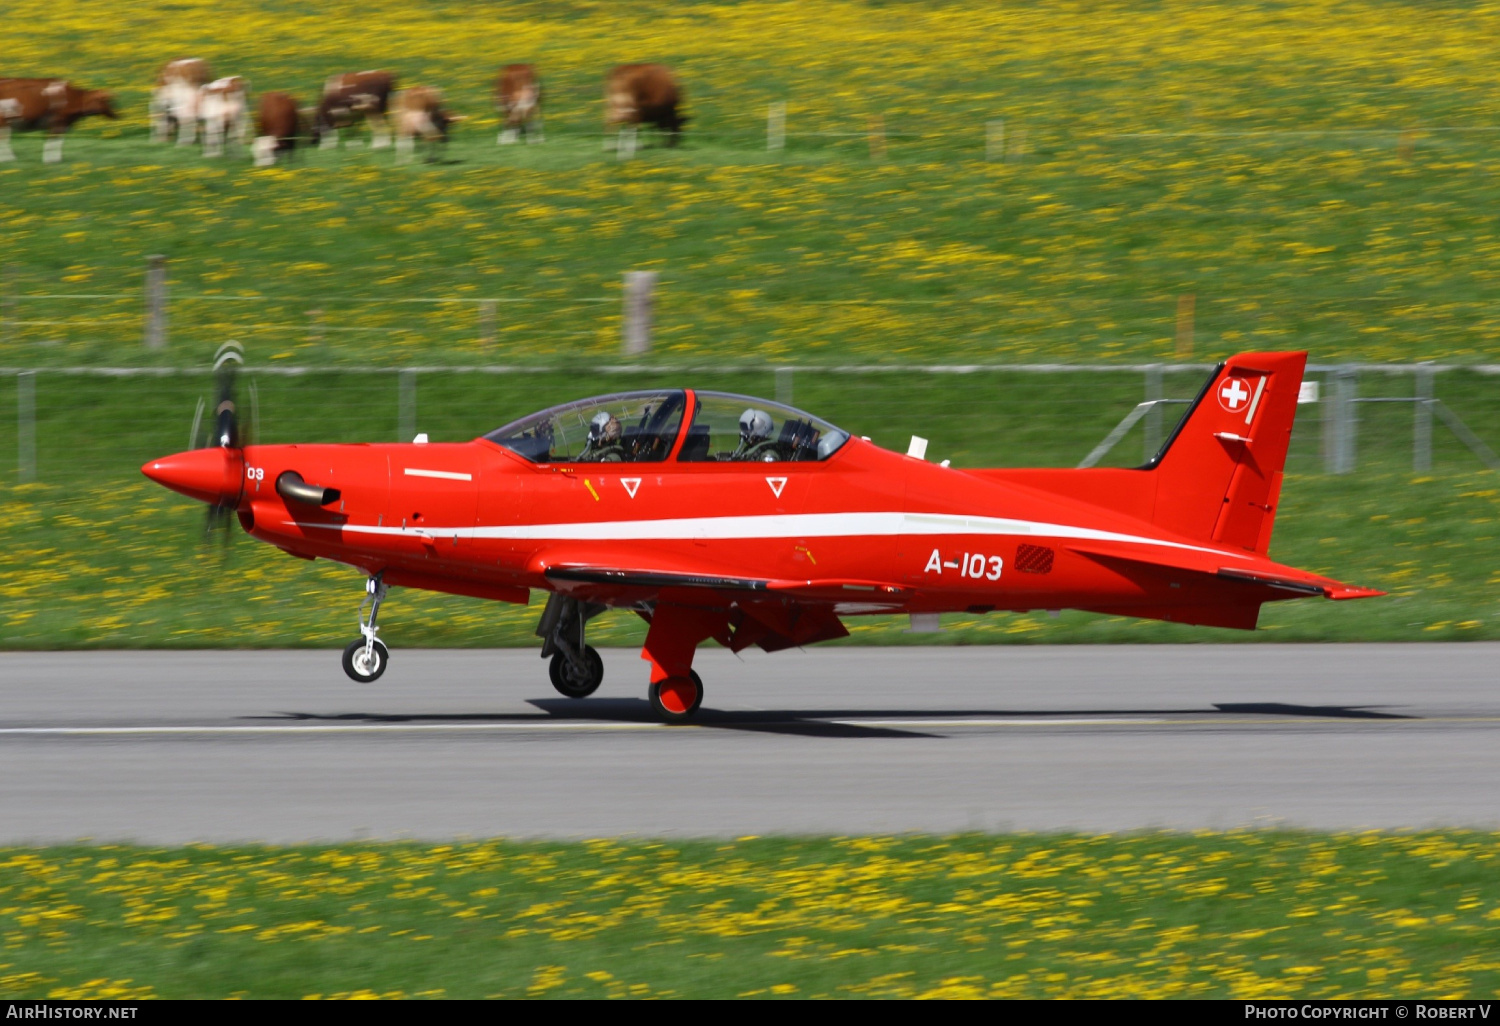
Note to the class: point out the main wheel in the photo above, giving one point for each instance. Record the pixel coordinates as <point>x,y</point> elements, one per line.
<point>365,668</point>
<point>675,699</point>
<point>577,681</point>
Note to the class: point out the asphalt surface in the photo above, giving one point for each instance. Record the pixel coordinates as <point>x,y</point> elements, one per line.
<point>280,747</point>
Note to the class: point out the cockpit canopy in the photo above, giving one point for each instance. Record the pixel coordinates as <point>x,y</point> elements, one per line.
<point>642,427</point>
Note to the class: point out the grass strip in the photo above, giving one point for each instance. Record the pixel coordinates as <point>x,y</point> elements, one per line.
<point>1238,914</point>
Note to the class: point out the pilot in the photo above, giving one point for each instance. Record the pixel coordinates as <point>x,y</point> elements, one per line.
<point>604,445</point>
<point>755,438</point>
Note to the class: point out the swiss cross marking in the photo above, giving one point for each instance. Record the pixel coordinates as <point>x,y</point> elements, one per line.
<point>1234,393</point>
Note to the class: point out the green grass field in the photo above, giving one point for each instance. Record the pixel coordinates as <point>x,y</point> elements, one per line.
<point>1237,915</point>
<point>1318,177</point>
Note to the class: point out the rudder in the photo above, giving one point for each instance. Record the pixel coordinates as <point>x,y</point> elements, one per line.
<point>1219,474</point>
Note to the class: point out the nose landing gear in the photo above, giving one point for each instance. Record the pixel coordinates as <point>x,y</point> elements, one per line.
<point>365,659</point>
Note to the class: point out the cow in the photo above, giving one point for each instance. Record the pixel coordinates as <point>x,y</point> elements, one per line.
<point>420,115</point>
<point>174,104</point>
<point>518,99</point>
<point>641,94</point>
<point>278,127</point>
<point>224,106</point>
<point>345,98</point>
<point>50,103</point>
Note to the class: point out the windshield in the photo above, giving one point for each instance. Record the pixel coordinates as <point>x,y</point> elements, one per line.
<point>629,427</point>
<point>730,428</point>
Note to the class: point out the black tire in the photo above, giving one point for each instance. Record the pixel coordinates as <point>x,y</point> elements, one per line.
<point>569,681</point>
<point>675,712</point>
<point>381,657</point>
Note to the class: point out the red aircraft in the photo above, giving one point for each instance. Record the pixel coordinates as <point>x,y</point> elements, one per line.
<point>727,517</point>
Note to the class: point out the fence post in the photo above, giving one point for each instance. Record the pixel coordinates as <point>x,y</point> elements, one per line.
<point>156,302</point>
<point>776,126</point>
<point>406,405</point>
<point>1421,424</point>
<point>637,323</point>
<point>1187,307</point>
<point>994,139</point>
<point>784,385</point>
<point>1017,144</point>
<point>5,304</point>
<point>877,137</point>
<point>1339,423</point>
<point>487,309</point>
<point>26,426</point>
<point>1153,414</point>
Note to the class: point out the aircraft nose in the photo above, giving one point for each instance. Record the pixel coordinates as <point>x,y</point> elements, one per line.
<point>213,475</point>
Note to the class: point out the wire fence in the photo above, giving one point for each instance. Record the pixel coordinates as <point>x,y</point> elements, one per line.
<point>1428,410</point>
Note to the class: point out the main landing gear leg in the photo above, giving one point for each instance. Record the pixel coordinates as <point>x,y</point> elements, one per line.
<point>676,690</point>
<point>366,659</point>
<point>576,669</point>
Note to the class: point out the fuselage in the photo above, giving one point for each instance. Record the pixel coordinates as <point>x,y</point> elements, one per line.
<point>475,518</point>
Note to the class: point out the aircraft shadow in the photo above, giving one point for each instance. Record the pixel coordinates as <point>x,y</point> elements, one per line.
<point>618,710</point>
<point>1347,712</point>
<point>814,722</point>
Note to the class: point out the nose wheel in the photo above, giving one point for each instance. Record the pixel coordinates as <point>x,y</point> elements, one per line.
<point>366,659</point>
<point>577,678</point>
<point>676,699</point>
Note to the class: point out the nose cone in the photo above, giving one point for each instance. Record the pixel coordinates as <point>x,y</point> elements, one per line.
<point>213,475</point>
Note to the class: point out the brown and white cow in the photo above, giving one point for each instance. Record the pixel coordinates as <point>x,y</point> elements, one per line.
<point>641,94</point>
<point>50,103</point>
<point>224,106</point>
<point>518,98</point>
<point>174,104</point>
<point>348,97</point>
<point>278,127</point>
<point>420,116</point>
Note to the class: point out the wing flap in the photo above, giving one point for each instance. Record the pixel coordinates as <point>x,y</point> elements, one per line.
<point>826,589</point>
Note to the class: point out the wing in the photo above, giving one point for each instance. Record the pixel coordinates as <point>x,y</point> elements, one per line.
<point>773,613</point>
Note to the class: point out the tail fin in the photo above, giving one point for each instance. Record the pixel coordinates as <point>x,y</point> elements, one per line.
<point>1219,474</point>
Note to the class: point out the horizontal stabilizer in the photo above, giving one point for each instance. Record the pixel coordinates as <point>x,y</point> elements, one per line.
<point>1210,565</point>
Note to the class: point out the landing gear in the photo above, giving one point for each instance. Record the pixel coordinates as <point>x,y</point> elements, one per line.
<point>675,699</point>
<point>366,659</point>
<point>580,678</point>
<point>576,669</point>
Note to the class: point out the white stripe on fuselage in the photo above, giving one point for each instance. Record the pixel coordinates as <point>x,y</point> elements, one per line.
<point>791,525</point>
<point>445,475</point>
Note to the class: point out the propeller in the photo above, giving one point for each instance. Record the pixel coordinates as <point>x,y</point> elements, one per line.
<point>224,429</point>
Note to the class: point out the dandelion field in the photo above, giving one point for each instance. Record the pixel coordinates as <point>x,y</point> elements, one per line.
<point>1317,176</point>
<point>1235,915</point>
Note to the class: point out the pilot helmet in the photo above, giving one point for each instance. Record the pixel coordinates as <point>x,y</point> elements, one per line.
<point>755,426</point>
<point>604,427</point>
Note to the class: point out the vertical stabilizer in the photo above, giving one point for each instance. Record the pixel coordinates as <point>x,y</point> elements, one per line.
<point>1219,475</point>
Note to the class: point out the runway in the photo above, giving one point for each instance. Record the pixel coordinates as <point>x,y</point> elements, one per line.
<point>174,747</point>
